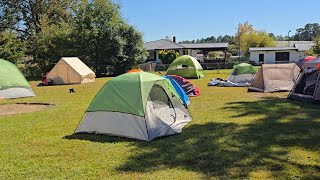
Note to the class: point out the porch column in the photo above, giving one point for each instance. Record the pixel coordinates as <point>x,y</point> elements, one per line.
<point>181,52</point>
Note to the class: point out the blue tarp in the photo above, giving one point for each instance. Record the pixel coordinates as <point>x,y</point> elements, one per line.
<point>183,95</point>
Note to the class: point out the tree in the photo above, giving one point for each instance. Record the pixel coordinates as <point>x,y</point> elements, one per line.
<point>219,39</point>
<point>11,48</point>
<point>272,35</point>
<point>91,30</point>
<point>104,39</point>
<point>212,55</point>
<point>252,38</point>
<point>25,16</point>
<point>280,38</point>
<point>308,32</point>
<point>315,50</point>
<point>227,39</point>
<point>167,56</point>
<point>233,49</point>
<point>28,19</point>
<point>243,29</point>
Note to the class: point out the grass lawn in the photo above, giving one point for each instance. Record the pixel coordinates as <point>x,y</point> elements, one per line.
<point>234,134</point>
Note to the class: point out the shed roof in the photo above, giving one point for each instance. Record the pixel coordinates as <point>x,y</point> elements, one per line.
<point>272,49</point>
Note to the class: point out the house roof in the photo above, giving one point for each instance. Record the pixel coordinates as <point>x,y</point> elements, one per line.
<point>167,44</point>
<point>272,49</point>
<point>204,45</point>
<point>171,46</point>
<point>156,44</point>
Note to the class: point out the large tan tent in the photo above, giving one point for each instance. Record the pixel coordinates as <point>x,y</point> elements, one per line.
<point>71,70</point>
<point>275,77</point>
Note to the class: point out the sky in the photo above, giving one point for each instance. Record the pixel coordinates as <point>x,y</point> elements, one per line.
<point>193,19</point>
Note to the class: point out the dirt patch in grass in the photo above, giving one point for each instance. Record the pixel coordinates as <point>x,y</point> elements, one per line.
<point>19,108</point>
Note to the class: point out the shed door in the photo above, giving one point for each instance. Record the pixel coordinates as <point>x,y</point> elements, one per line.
<point>261,58</point>
<point>282,56</point>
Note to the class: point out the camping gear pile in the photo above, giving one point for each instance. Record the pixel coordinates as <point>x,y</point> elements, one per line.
<point>12,83</point>
<point>241,76</point>
<point>186,66</point>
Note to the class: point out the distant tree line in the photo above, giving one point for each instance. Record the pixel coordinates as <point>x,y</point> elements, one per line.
<point>212,39</point>
<point>255,38</point>
<point>44,31</point>
<point>307,33</point>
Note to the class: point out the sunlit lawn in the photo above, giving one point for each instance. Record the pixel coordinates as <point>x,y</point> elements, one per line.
<point>234,134</point>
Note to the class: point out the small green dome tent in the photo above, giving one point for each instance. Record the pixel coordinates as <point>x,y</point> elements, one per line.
<point>187,67</point>
<point>244,68</point>
<point>242,75</point>
<point>12,83</point>
<point>137,105</point>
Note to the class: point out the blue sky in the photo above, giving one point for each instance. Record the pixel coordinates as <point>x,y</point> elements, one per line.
<point>192,19</point>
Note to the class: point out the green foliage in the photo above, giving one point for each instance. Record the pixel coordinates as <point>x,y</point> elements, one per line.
<point>212,55</point>
<point>92,30</point>
<point>167,56</point>
<point>233,49</point>
<point>104,40</point>
<point>256,39</point>
<point>316,48</point>
<point>212,39</point>
<point>252,38</point>
<point>309,32</point>
<point>11,48</point>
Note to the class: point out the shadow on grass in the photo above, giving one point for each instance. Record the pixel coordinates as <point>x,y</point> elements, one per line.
<point>98,138</point>
<point>231,150</point>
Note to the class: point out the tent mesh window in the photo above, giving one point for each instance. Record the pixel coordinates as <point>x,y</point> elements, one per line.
<point>162,105</point>
<point>307,84</point>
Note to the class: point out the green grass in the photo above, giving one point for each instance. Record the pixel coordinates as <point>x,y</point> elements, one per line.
<point>234,134</point>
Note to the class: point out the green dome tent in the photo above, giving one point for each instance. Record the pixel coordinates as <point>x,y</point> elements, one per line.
<point>12,83</point>
<point>242,74</point>
<point>136,105</point>
<point>187,67</point>
<point>244,68</point>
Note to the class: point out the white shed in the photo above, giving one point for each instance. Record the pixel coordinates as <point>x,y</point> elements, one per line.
<point>272,55</point>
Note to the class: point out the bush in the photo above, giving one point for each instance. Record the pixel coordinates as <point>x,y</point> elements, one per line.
<point>167,56</point>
